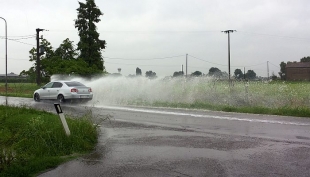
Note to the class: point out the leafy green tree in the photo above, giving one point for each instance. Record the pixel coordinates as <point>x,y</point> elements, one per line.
<point>31,73</point>
<point>57,65</point>
<point>215,72</point>
<point>282,72</point>
<point>238,74</point>
<point>66,50</point>
<point>178,73</point>
<point>150,74</point>
<point>90,45</point>
<point>196,73</point>
<point>250,74</point>
<point>305,59</point>
<point>273,76</point>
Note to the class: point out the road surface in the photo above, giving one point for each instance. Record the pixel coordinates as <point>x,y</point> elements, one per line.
<point>141,141</point>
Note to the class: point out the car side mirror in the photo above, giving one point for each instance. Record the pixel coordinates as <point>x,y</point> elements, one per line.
<point>43,87</point>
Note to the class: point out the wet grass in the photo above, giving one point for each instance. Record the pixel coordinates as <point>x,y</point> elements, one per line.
<point>32,141</point>
<point>283,111</point>
<point>257,97</point>
<point>18,89</point>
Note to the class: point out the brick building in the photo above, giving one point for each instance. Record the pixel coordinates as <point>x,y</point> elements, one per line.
<point>298,71</point>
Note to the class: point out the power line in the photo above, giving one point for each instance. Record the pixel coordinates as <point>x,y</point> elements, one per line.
<point>18,36</point>
<point>251,65</point>
<point>272,35</point>
<point>207,61</point>
<point>142,65</point>
<point>226,65</point>
<point>145,58</point>
<point>274,65</point>
<point>17,59</point>
<point>21,42</point>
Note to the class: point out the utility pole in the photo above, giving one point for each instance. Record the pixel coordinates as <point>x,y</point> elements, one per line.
<point>228,32</point>
<point>268,69</point>
<point>244,73</point>
<point>38,57</point>
<point>182,70</point>
<point>186,66</point>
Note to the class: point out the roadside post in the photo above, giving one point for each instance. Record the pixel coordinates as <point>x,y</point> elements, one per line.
<point>62,118</point>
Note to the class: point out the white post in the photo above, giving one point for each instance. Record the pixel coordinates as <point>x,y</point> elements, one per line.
<point>62,118</point>
<point>6,62</point>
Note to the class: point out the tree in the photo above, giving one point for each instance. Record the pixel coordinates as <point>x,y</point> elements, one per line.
<point>178,73</point>
<point>273,76</point>
<point>66,50</point>
<point>150,74</point>
<point>49,52</point>
<point>61,61</point>
<point>282,72</point>
<point>305,59</point>
<point>90,45</point>
<point>238,74</point>
<point>250,74</point>
<point>196,73</point>
<point>215,72</point>
<point>57,65</point>
<point>138,71</point>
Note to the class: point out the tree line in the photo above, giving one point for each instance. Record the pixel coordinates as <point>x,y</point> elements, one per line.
<point>217,73</point>
<point>86,59</point>
<point>213,72</point>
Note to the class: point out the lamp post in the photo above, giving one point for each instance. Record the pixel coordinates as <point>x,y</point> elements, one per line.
<point>6,61</point>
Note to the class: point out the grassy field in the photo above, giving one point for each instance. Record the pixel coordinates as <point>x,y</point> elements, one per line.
<point>277,98</point>
<point>260,97</point>
<point>32,141</point>
<point>19,89</point>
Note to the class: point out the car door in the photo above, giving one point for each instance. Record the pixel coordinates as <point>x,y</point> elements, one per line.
<point>55,90</point>
<point>45,91</point>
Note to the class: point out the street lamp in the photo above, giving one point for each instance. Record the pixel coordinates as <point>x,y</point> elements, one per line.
<point>229,31</point>
<point>6,60</point>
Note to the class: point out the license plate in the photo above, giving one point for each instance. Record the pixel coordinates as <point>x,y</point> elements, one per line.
<point>84,96</point>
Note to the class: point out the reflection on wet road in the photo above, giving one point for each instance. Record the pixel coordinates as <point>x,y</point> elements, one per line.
<point>176,142</point>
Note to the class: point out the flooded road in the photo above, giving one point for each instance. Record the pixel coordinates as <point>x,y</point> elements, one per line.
<point>141,141</point>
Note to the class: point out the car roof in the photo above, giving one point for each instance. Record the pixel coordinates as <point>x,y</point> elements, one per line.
<point>64,81</point>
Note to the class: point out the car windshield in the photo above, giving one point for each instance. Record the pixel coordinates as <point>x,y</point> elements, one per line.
<point>74,84</point>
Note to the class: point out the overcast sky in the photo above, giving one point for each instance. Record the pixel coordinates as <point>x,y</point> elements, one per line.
<point>157,34</point>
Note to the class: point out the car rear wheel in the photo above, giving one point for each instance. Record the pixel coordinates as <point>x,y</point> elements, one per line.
<point>61,98</point>
<point>36,97</point>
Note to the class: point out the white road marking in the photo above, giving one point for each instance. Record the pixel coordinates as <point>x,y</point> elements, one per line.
<point>205,116</point>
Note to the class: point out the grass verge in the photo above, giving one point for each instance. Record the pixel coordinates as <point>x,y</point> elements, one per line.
<point>32,141</point>
<point>283,111</point>
<point>19,89</point>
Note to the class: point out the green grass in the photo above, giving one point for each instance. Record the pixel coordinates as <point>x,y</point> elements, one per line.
<point>19,89</point>
<point>283,111</point>
<point>259,97</point>
<point>32,141</point>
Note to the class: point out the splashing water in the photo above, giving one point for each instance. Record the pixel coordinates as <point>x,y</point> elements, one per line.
<point>136,90</point>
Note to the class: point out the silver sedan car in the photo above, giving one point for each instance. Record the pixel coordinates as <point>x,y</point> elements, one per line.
<point>63,91</point>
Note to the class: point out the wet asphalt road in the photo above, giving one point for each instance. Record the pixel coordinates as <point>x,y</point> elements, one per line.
<point>142,141</point>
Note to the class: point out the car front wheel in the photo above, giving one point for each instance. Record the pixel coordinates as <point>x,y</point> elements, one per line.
<point>61,98</point>
<point>36,97</point>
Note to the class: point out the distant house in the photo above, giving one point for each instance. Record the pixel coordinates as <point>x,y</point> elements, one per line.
<point>298,71</point>
<point>10,75</point>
